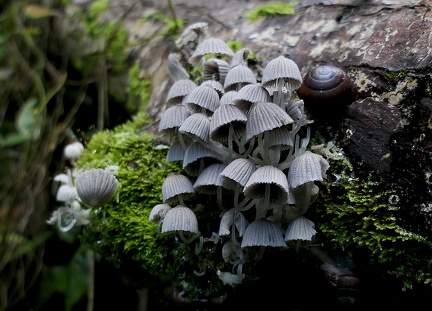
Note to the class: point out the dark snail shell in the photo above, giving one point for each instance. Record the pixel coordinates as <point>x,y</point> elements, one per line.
<point>325,87</point>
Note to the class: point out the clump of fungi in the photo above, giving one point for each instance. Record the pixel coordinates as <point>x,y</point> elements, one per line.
<point>244,143</point>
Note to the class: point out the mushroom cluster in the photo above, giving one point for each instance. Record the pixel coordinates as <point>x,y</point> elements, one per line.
<point>244,142</point>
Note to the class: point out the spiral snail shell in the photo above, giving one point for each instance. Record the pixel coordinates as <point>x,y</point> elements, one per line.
<point>325,87</point>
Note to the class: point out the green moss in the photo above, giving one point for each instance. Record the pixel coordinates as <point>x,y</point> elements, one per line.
<point>358,219</point>
<point>121,232</point>
<point>397,74</point>
<point>271,10</point>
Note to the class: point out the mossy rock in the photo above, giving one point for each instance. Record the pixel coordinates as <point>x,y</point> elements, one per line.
<point>121,232</point>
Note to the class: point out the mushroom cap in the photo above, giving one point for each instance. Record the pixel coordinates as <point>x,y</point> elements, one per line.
<point>96,187</point>
<point>265,116</point>
<point>307,167</point>
<point>216,85</point>
<point>227,98</point>
<point>202,97</point>
<point>251,94</point>
<point>176,186</point>
<point>210,46</point>
<point>158,212</point>
<point>300,228</point>
<point>281,71</point>
<point>280,137</point>
<point>173,118</point>
<point>209,179</point>
<point>179,90</point>
<point>176,152</point>
<point>225,118</point>
<point>238,172</point>
<point>216,70</point>
<point>195,154</point>
<point>192,32</point>
<point>180,218</point>
<point>196,126</point>
<point>238,77</point>
<point>267,178</point>
<point>263,232</point>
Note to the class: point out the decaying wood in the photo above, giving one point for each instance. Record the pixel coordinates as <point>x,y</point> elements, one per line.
<point>386,48</point>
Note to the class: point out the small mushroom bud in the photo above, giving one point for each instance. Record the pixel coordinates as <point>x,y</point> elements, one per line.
<point>326,90</point>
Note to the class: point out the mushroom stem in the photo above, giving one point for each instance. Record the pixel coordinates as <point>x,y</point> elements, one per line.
<point>185,239</point>
<point>67,227</point>
<point>181,140</point>
<point>219,197</point>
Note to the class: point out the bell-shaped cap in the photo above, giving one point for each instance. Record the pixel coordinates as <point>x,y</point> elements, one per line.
<point>196,31</point>
<point>197,127</point>
<point>281,72</point>
<point>216,70</point>
<point>96,187</point>
<point>300,228</point>
<point>238,172</point>
<point>209,179</point>
<point>180,218</point>
<point>263,232</point>
<point>280,138</point>
<point>251,94</point>
<point>173,118</point>
<point>228,98</point>
<point>238,77</point>
<point>265,116</point>
<point>202,97</point>
<point>196,153</point>
<point>227,118</point>
<point>176,186</point>
<point>307,167</point>
<point>176,152</point>
<point>158,212</point>
<point>267,178</point>
<point>179,90</point>
<point>216,85</point>
<point>211,46</point>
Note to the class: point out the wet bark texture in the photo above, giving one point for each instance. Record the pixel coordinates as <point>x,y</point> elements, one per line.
<point>385,47</point>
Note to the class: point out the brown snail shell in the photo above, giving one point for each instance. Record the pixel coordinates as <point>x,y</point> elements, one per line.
<point>326,87</point>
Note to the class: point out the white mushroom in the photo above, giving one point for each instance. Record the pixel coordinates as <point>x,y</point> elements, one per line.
<point>96,187</point>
